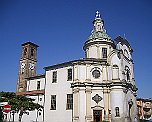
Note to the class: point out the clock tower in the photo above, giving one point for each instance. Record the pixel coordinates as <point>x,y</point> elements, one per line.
<point>27,66</point>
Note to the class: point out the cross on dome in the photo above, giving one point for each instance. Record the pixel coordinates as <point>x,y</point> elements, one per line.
<point>97,15</point>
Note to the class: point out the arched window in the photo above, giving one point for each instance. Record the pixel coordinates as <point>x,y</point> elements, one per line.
<point>32,52</point>
<point>117,111</point>
<point>25,51</point>
<point>115,72</point>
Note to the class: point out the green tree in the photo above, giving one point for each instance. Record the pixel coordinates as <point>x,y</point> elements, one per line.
<point>19,103</point>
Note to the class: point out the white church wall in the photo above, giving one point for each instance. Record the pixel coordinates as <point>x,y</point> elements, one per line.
<point>92,52</point>
<point>95,51</point>
<point>82,73</point>
<point>116,100</point>
<point>115,61</point>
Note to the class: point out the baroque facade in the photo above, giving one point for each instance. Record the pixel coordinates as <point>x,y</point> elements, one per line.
<point>99,87</point>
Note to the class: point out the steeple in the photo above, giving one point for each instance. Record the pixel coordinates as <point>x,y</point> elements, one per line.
<point>27,66</point>
<point>98,23</point>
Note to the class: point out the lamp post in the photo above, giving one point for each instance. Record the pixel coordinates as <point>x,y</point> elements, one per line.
<point>21,113</point>
<point>13,112</point>
<point>1,114</point>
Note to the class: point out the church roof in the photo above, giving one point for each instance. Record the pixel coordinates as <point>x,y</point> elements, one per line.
<point>79,61</point>
<point>36,77</point>
<point>30,43</point>
<point>99,35</point>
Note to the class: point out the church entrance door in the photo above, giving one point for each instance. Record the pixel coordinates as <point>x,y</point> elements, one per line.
<point>97,115</point>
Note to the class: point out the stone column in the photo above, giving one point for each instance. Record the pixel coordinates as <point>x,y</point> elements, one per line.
<point>88,104</point>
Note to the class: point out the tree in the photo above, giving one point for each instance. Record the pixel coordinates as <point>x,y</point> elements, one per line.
<point>19,103</point>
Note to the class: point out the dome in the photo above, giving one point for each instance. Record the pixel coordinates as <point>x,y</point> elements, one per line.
<point>99,35</point>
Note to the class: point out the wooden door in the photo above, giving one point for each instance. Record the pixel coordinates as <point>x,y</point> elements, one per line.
<point>97,115</point>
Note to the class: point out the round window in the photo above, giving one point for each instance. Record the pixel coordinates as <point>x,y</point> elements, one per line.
<point>96,73</point>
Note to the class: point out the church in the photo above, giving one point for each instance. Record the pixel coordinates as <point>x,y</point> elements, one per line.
<point>99,87</point>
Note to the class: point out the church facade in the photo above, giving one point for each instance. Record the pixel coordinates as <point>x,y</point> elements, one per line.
<point>99,87</point>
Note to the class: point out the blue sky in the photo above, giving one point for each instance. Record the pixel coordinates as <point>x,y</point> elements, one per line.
<point>60,28</point>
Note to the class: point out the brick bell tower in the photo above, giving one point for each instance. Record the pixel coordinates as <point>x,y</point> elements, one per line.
<point>27,66</point>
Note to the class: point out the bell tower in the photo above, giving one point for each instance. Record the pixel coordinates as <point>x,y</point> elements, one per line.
<point>27,66</point>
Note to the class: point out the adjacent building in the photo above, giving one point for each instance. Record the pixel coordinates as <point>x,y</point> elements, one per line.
<point>144,108</point>
<point>98,87</point>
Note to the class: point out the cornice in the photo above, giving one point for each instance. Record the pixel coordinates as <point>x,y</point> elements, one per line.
<point>109,85</point>
<point>32,93</point>
<point>82,61</point>
<point>89,43</point>
<point>36,77</point>
<point>30,43</point>
<point>29,59</point>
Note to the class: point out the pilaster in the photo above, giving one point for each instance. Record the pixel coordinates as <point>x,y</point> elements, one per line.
<point>106,93</point>
<point>88,104</point>
<point>88,76</point>
<point>98,51</point>
<point>76,73</point>
<point>105,78</point>
<point>75,105</point>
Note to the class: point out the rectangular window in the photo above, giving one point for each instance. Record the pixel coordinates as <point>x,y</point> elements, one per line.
<point>53,102</point>
<point>38,85</point>
<point>104,52</point>
<point>69,74</point>
<point>54,77</point>
<point>69,101</point>
<point>117,112</point>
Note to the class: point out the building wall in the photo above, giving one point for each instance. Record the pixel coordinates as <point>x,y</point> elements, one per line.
<point>144,108</point>
<point>60,89</point>
<point>32,84</point>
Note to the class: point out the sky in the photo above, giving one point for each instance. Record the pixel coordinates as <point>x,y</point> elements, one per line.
<point>60,28</point>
